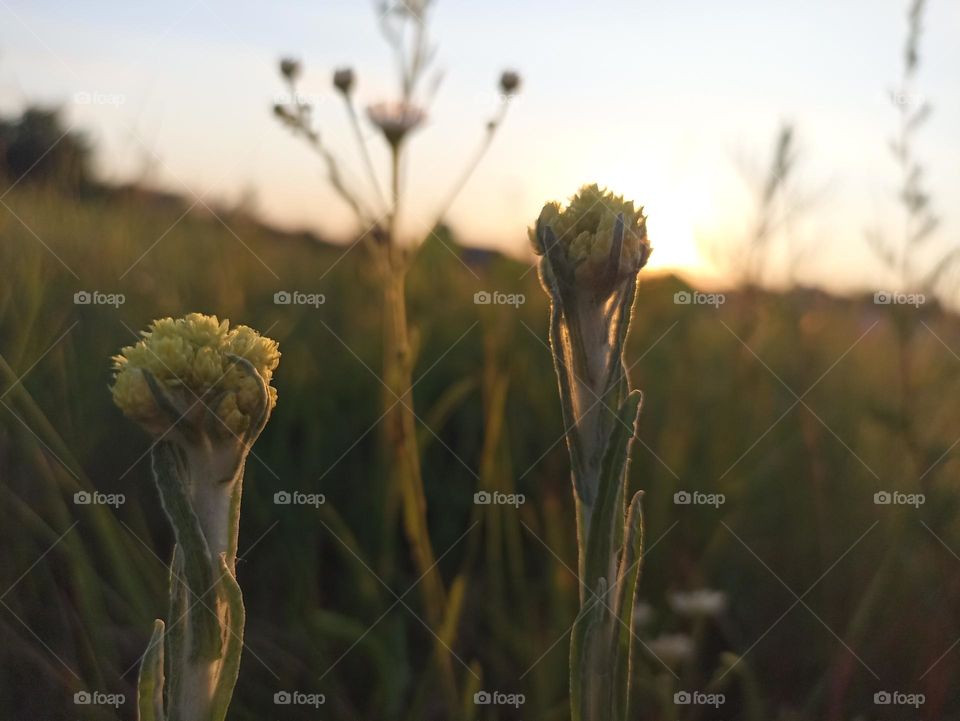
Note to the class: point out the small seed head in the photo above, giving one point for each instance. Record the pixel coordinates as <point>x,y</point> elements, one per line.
<point>290,68</point>
<point>343,79</point>
<point>510,82</point>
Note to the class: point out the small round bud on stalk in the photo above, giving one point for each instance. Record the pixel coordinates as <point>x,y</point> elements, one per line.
<point>343,80</point>
<point>290,68</point>
<point>509,82</point>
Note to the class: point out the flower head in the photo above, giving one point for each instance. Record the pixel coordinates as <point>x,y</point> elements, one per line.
<point>343,79</point>
<point>290,68</point>
<point>396,120</point>
<point>598,236</point>
<point>509,82</point>
<point>184,369</point>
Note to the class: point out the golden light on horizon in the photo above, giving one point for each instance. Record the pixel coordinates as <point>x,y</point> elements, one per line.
<point>678,210</point>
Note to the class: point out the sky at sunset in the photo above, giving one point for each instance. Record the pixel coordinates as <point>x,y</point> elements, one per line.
<point>671,104</point>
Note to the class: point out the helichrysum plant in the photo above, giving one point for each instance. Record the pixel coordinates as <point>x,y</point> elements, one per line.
<point>202,390</point>
<point>591,254</point>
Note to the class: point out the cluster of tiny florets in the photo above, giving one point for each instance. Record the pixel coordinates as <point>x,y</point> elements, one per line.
<point>584,230</point>
<point>190,359</point>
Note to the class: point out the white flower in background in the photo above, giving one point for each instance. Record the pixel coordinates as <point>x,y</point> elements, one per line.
<point>395,120</point>
<point>701,602</point>
<point>642,613</point>
<point>671,648</point>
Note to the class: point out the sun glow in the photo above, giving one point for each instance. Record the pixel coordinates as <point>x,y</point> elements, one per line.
<point>679,209</point>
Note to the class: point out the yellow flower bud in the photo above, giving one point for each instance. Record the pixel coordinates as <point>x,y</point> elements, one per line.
<point>582,236</point>
<point>192,360</point>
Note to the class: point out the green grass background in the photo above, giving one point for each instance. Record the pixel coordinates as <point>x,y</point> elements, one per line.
<point>719,385</point>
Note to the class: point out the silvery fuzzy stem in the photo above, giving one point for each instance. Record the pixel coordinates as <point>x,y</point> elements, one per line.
<point>199,475</point>
<point>206,606</point>
<point>216,484</point>
<point>589,321</point>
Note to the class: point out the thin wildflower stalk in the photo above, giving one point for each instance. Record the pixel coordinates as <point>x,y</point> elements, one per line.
<point>591,254</point>
<point>404,27</point>
<point>201,389</point>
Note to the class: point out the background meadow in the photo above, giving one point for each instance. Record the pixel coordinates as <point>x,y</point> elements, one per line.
<point>789,405</point>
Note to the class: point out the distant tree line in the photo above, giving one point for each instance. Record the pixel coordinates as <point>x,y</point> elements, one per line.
<point>36,147</point>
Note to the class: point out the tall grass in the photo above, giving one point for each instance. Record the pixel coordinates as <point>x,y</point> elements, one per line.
<point>799,497</point>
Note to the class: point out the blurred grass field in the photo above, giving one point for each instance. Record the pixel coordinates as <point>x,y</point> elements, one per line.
<point>797,407</point>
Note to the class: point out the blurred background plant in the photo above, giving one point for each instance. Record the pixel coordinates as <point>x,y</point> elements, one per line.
<point>404,26</point>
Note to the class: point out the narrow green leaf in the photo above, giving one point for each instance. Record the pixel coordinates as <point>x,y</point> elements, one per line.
<point>229,591</point>
<point>175,634</point>
<point>603,534</point>
<point>150,680</point>
<point>627,581</point>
